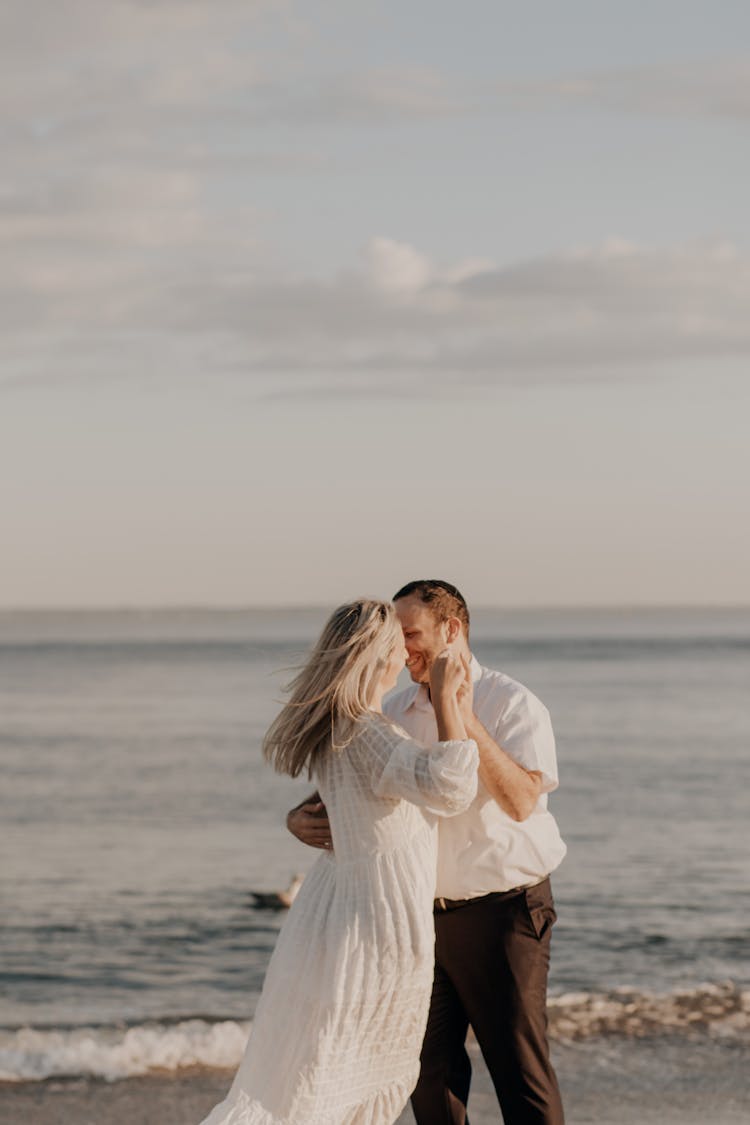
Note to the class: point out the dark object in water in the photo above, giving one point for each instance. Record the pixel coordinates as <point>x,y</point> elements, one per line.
<point>278,900</point>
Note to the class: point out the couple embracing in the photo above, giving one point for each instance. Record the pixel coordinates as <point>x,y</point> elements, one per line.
<point>429,909</point>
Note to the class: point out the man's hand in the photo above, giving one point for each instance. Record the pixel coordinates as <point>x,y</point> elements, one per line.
<point>309,823</point>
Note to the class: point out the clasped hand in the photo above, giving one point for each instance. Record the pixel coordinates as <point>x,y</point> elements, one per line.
<point>450,674</point>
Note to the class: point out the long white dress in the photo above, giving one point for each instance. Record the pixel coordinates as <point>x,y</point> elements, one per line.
<point>338,1028</point>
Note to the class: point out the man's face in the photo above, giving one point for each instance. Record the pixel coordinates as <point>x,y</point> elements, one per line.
<point>424,636</point>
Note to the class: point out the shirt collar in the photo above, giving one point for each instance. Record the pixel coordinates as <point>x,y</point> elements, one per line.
<point>420,699</point>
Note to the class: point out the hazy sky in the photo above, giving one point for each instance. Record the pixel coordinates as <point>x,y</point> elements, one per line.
<point>303,300</point>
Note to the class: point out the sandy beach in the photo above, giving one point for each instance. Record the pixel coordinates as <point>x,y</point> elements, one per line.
<point>649,1082</point>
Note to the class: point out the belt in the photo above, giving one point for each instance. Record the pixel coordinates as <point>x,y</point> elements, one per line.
<point>442,905</point>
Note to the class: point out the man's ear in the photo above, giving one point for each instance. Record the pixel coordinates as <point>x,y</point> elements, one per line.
<point>453,625</point>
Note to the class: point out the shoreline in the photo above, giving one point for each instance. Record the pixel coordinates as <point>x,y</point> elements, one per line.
<point>608,1081</point>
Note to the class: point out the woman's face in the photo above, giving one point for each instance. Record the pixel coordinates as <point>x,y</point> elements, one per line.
<point>391,672</point>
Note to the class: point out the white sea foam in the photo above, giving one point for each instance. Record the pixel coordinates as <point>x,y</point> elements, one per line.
<point>111,1053</point>
<point>720,1009</point>
<point>27,1054</point>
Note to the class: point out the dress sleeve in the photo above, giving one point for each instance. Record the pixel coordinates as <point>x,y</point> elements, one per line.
<point>441,778</point>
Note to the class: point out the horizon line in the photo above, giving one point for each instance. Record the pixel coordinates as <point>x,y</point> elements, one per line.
<point>286,607</point>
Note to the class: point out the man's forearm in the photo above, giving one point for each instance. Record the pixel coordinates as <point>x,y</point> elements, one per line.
<point>515,789</point>
<point>313,799</point>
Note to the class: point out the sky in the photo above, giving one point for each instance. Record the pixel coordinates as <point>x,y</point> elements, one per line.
<point>302,301</point>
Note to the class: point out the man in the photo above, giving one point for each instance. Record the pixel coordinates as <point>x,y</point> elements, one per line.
<point>494,911</point>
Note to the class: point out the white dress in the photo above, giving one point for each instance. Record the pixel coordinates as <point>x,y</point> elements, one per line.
<point>338,1028</point>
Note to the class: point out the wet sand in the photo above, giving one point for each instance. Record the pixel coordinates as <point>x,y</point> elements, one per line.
<point>607,1082</point>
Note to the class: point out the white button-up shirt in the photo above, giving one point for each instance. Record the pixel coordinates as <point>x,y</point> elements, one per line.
<point>483,849</point>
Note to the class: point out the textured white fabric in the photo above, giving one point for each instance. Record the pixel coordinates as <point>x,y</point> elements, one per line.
<point>338,1029</point>
<point>484,849</point>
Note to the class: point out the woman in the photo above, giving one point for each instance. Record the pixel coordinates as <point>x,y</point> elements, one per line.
<point>338,1029</point>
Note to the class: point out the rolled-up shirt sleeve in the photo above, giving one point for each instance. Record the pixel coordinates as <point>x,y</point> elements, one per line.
<point>524,731</point>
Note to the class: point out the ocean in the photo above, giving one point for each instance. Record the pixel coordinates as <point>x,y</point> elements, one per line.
<point>138,816</point>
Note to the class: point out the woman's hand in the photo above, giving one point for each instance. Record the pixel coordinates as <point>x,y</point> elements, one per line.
<point>446,675</point>
<point>465,694</point>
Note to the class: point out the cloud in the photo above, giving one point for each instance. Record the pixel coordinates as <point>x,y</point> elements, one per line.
<point>701,88</point>
<point>598,303</point>
<point>398,320</point>
<point>137,72</point>
<point>129,240</point>
<point>396,267</point>
<point>707,88</point>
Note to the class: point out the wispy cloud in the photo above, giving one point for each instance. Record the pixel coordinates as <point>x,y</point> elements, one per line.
<point>717,87</point>
<point>702,88</point>
<point>77,66</point>
<point>129,236</point>
<point>399,319</point>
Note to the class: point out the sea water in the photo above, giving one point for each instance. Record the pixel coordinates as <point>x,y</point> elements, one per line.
<point>138,816</point>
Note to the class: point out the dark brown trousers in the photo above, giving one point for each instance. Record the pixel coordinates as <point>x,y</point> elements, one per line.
<point>492,960</point>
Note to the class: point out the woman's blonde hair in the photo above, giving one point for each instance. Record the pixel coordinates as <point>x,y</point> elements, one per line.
<point>335,687</point>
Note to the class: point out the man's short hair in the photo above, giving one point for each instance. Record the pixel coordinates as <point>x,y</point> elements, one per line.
<point>443,599</point>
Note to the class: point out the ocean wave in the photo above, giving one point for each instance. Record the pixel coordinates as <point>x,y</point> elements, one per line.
<point>721,1009</point>
<point>31,1054</point>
